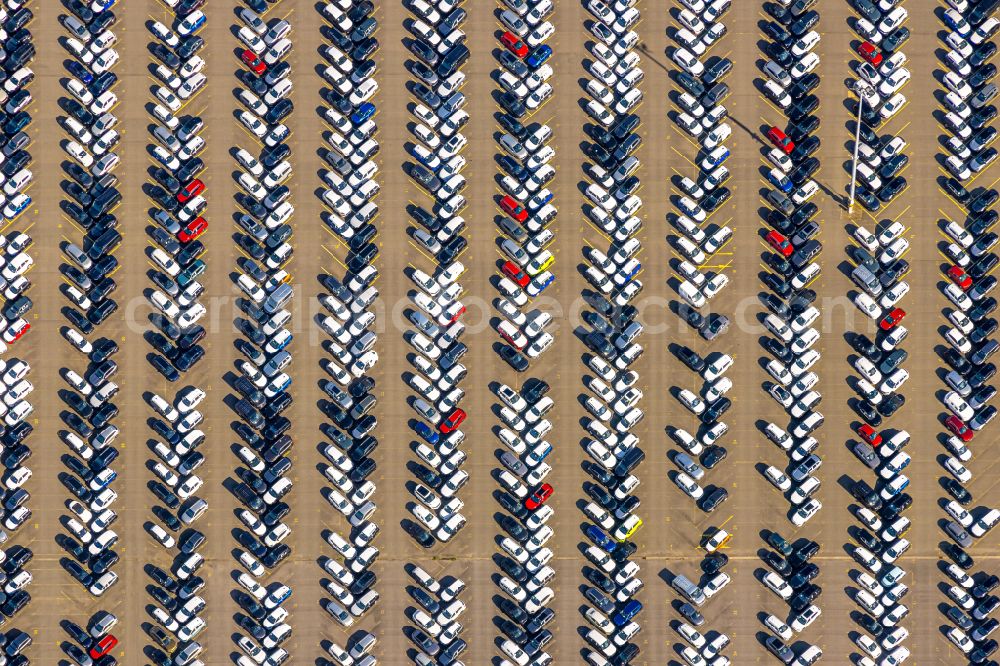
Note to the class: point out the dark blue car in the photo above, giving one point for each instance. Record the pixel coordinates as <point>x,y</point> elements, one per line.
<point>602,540</point>
<point>628,611</point>
<point>427,432</point>
<point>538,56</point>
<point>80,72</point>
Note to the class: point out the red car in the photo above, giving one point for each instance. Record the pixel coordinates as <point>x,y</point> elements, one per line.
<point>192,189</point>
<point>780,243</point>
<point>512,207</point>
<point>514,272</point>
<point>194,228</point>
<point>514,44</point>
<point>957,426</point>
<point>452,421</point>
<point>253,62</point>
<point>960,277</point>
<point>869,434</point>
<point>16,332</point>
<point>458,313</point>
<point>781,140</point>
<point>890,321</point>
<point>870,53</point>
<point>103,646</point>
<point>538,498</point>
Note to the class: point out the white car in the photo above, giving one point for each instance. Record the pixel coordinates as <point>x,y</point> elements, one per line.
<point>802,515</point>
<point>777,584</point>
<point>777,478</point>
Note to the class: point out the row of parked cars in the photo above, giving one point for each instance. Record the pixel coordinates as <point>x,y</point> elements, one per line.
<point>260,388</point>
<point>177,222</point>
<point>525,232</point>
<point>91,195</point>
<point>789,81</point>
<point>348,192</point>
<point>438,55</point>
<point>439,52</point>
<point>16,76</point>
<point>700,115</point>
<point>87,645</point>
<point>968,80</point>
<point>879,270</point>
<point>613,95</point>
<point>525,158</point>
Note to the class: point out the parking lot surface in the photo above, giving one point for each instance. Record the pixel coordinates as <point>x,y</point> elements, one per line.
<point>673,527</point>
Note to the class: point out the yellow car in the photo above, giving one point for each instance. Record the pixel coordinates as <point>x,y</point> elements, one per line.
<point>629,527</point>
<point>541,262</point>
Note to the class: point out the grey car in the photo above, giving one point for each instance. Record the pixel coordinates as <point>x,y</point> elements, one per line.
<point>958,533</point>
<point>511,462</point>
<point>688,465</point>
<point>866,454</point>
<point>78,256</point>
<point>425,177</point>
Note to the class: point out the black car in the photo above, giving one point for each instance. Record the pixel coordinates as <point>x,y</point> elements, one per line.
<point>780,351</point>
<point>511,104</point>
<point>779,54</point>
<point>893,360</point>
<point>804,149</point>
<point>864,346</point>
<point>979,223</point>
<point>420,535</point>
<point>870,541</point>
<point>713,455</point>
<point>983,266</point>
<point>601,581</point>
<point>803,87</point>
<point>714,499</point>
<point>958,556</point>
<point>894,40</point>
<point>512,126</point>
<point>891,405</point>
<point>514,358</point>
<point>803,107</point>
<point>985,586</point>
<point>513,631</point>
<point>690,358</point>
<point>716,198</point>
<point>716,71</point>
<point>891,189</point>
<point>513,611</point>
<point>869,412</point>
<point>104,349</point>
<point>955,189</point>
<point>102,82</point>
<point>534,389</point>
<point>625,126</point>
<point>866,495</point>
<point>982,309</point>
<point>804,597</point>
<point>981,54</point>
<point>163,493</point>
<point>803,576</point>
<point>776,562</point>
<point>983,651</point>
<point>981,375</point>
<point>164,367</point>
<point>804,171</point>
<point>869,624</point>
<point>893,273</point>
<point>714,563</point>
<point>165,55</point>
<point>958,492</point>
<point>896,506</point>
